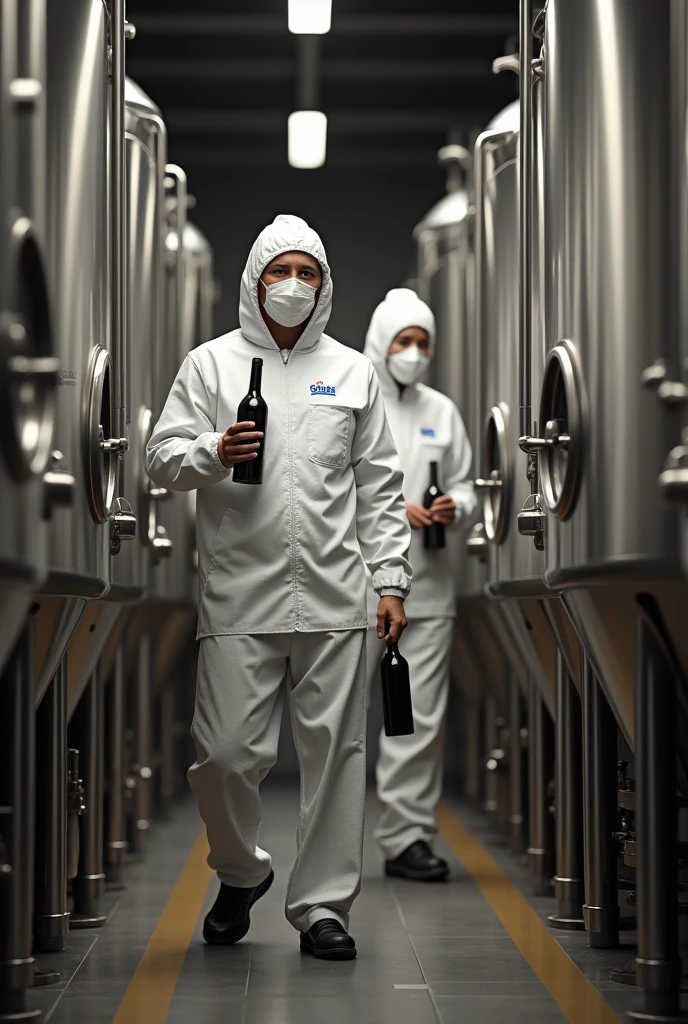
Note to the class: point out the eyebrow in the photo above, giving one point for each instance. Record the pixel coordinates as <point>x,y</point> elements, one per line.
<point>301,266</point>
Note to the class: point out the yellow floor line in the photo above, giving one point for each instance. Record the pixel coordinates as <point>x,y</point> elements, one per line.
<point>576,997</point>
<point>148,998</point>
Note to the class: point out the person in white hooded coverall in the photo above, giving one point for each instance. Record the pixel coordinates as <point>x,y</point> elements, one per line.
<point>282,581</point>
<point>427,427</point>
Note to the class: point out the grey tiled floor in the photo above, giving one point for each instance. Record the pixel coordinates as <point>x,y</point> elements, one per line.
<point>427,954</point>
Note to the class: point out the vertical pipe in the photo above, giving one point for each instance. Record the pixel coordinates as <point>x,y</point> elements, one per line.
<point>119,213</point>
<point>142,707</point>
<point>89,884</point>
<point>601,910</point>
<point>658,964</point>
<point>17,767</point>
<point>491,802</point>
<point>50,919</point>
<point>116,772</point>
<point>540,821</point>
<point>516,788</point>
<point>472,750</point>
<point>526,215</point>
<point>167,745</point>
<point>568,882</point>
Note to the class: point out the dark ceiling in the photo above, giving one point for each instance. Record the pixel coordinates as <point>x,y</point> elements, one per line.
<point>397,78</point>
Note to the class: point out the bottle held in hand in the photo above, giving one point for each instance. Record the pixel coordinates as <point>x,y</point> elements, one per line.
<point>253,407</point>
<point>396,693</point>
<point>433,535</point>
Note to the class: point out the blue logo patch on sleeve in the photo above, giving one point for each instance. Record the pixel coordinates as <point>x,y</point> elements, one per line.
<point>322,389</point>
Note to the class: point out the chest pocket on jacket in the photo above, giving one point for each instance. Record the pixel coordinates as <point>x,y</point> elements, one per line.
<point>328,435</point>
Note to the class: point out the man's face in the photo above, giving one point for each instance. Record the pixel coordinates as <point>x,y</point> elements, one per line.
<point>407,338</point>
<point>291,264</point>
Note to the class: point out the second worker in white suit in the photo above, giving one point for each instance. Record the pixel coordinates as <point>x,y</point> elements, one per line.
<point>282,581</point>
<point>427,427</point>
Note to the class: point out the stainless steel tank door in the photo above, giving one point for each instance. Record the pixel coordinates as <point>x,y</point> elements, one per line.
<point>28,368</point>
<point>100,450</point>
<point>495,485</point>
<point>562,420</point>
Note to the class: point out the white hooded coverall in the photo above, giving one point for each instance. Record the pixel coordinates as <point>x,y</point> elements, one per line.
<point>426,427</point>
<point>282,581</point>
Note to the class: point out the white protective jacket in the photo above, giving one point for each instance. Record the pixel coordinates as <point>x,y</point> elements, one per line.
<point>287,555</point>
<point>426,427</point>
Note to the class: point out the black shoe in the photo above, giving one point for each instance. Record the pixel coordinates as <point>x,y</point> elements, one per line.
<point>328,940</point>
<point>419,864</point>
<point>229,919</point>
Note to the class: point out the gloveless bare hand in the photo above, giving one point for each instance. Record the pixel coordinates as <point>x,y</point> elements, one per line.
<point>239,443</point>
<point>443,510</point>
<point>418,516</point>
<point>391,619</point>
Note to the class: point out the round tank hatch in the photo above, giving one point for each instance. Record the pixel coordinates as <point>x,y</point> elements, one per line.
<point>28,368</point>
<point>495,483</point>
<point>100,449</point>
<point>562,423</point>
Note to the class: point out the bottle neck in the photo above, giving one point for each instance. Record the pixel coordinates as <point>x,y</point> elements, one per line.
<point>433,475</point>
<point>256,375</point>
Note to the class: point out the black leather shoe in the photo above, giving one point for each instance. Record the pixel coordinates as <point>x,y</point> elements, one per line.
<point>419,864</point>
<point>327,940</point>
<point>229,919</point>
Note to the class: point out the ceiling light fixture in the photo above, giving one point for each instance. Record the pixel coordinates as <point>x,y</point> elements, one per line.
<point>310,17</point>
<point>307,139</point>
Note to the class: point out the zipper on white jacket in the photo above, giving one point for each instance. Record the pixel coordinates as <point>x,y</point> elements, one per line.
<point>285,353</point>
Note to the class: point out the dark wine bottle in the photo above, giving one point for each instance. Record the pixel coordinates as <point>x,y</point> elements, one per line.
<point>396,693</point>
<point>254,408</point>
<point>433,535</point>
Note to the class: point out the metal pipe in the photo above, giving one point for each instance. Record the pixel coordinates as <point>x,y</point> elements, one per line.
<point>526,216</point>
<point>568,882</point>
<point>141,704</point>
<point>540,820</point>
<point>167,744</point>
<point>491,801</point>
<point>601,910</point>
<point>116,775</point>
<point>89,884</point>
<point>118,213</point>
<point>472,751</point>
<point>658,964</point>
<point>516,789</point>
<point>50,916</point>
<point>17,768</point>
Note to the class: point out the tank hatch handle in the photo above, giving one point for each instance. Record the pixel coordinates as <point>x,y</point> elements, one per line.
<point>669,391</point>
<point>477,543</point>
<point>122,525</point>
<point>673,481</point>
<point>60,485</point>
<point>162,545</point>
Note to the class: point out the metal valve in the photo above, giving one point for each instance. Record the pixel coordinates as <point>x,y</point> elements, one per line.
<point>114,445</point>
<point>492,483</point>
<point>531,520</point>
<point>123,523</point>
<point>129,31</point>
<point>477,542</point>
<point>669,391</point>
<point>162,545</point>
<point>673,481</point>
<point>554,438</point>
<point>59,485</point>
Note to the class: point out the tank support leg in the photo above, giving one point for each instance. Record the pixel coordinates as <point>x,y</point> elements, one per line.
<point>540,821</point>
<point>568,883</point>
<point>658,964</point>
<point>115,822</point>
<point>17,768</point>
<point>473,732</point>
<point>601,910</point>
<point>517,820</point>
<point>491,787</point>
<point>51,919</point>
<point>142,704</point>
<point>89,884</point>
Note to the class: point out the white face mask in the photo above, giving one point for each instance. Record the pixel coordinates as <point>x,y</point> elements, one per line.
<point>289,302</point>
<point>408,365</point>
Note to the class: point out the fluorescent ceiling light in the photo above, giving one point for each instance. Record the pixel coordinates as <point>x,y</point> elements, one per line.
<point>310,17</point>
<point>307,138</point>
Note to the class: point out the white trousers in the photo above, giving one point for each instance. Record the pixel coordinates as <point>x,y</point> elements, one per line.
<point>409,768</point>
<point>240,692</point>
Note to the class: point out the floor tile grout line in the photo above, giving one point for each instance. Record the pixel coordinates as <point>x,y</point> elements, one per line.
<point>57,1002</point>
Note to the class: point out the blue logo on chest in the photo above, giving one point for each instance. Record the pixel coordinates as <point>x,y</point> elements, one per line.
<point>322,389</point>
<point>427,432</point>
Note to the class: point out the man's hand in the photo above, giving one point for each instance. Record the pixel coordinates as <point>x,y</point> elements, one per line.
<point>391,619</point>
<point>239,443</point>
<point>418,516</point>
<point>443,510</point>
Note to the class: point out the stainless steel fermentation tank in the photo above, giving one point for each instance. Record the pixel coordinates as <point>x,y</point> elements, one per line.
<point>445,253</point>
<point>614,182</point>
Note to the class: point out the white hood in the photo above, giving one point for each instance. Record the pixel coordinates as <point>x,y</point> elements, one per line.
<point>286,234</point>
<point>401,309</point>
